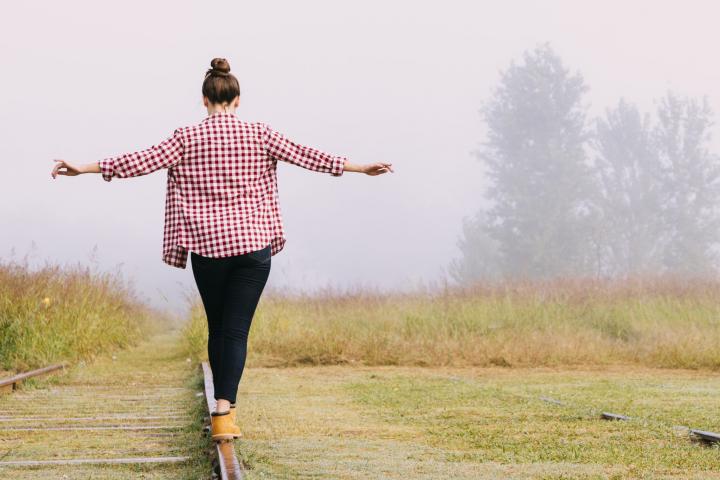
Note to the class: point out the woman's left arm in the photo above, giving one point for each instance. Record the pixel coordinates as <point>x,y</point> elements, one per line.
<point>163,155</point>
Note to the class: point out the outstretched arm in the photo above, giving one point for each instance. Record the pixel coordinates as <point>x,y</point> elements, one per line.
<point>63,167</point>
<point>369,168</point>
<point>163,155</point>
<point>281,148</point>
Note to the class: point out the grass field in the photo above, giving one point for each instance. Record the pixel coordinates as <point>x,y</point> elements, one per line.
<point>448,384</point>
<point>656,322</point>
<point>472,423</point>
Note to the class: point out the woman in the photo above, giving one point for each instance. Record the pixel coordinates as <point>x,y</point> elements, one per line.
<point>222,207</point>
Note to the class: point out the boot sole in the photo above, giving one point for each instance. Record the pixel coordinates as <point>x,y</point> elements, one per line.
<point>225,436</point>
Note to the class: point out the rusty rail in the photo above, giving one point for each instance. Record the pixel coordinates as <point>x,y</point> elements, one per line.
<point>226,464</point>
<point>10,383</point>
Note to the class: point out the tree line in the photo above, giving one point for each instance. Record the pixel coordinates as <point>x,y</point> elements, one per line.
<point>627,192</point>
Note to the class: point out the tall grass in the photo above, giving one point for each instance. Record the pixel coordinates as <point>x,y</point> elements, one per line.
<point>59,313</point>
<point>654,321</point>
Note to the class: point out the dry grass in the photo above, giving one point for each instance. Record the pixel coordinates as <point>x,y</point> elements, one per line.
<point>654,321</point>
<point>59,313</point>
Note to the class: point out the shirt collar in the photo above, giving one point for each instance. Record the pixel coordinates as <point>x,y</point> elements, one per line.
<point>215,115</point>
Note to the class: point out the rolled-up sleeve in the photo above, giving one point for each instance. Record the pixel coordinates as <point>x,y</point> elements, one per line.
<point>163,155</point>
<point>281,148</point>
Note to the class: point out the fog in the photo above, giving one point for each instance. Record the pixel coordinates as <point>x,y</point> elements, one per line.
<point>399,81</point>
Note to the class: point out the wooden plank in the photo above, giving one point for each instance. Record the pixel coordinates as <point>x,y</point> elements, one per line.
<point>96,461</point>
<point>149,400</point>
<point>613,416</point>
<point>32,373</point>
<point>52,412</point>
<point>227,461</point>
<point>706,436</point>
<point>102,427</point>
<point>90,419</point>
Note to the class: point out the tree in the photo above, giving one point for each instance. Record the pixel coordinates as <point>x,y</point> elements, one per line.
<point>479,252</point>
<point>690,189</point>
<point>536,161</point>
<point>627,169</point>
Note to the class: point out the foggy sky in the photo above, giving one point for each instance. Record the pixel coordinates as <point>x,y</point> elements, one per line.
<point>398,81</point>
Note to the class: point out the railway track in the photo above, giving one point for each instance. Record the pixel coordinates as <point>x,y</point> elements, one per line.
<point>112,419</point>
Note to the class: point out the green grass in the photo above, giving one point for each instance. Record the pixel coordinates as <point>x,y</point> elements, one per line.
<point>470,423</point>
<point>491,420</point>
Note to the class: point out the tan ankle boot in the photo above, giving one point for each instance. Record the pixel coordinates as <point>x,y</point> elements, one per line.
<point>233,414</point>
<point>222,427</point>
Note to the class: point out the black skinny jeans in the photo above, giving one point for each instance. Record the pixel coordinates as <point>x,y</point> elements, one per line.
<point>230,288</point>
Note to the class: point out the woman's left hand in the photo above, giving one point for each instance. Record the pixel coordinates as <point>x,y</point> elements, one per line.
<point>376,168</point>
<point>69,169</point>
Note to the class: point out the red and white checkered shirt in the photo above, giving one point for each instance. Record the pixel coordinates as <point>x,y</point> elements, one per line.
<point>222,196</point>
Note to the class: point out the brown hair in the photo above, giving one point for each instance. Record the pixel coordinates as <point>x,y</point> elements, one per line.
<point>220,86</point>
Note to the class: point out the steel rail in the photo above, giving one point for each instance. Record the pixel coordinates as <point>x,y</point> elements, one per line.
<point>226,463</point>
<point>11,382</point>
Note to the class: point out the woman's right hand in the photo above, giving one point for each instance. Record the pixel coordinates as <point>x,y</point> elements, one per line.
<point>71,170</point>
<point>65,168</point>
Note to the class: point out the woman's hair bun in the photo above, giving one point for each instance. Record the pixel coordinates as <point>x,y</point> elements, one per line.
<point>220,65</point>
<point>220,86</point>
